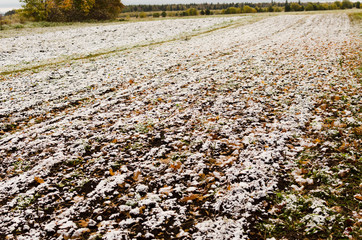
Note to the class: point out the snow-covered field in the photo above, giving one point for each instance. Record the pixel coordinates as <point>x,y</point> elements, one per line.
<point>180,140</point>
<point>39,48</point>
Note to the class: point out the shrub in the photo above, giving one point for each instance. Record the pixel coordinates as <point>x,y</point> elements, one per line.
<point>278,9</point>
<point>232,10</point>
<point>142,15</point>
<point>296,7</point>
<point>248,9</point>
<point>156,15</point>
<point>309,7</point>
<point>192,12</point>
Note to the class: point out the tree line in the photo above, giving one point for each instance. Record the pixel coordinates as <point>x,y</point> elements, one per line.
<point>71,10</point>
<point>81,10</point>
<point>184,7</point>
<point>232,8</point>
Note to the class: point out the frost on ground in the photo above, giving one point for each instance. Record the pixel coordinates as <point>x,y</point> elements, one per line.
<point>181,140</point>
<point>30,49</point>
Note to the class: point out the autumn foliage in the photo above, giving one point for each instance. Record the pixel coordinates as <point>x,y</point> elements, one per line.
<point>72,10</point>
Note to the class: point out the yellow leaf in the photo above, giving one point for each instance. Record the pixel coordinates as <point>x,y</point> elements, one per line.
<point>111,171</point>
<point>38,180</point>
<point>304,162</point>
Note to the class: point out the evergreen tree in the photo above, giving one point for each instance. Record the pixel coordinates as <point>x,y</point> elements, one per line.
<point>287,6</point>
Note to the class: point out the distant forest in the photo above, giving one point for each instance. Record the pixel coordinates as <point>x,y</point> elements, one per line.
<point>201,6</point>
<point>226,8</point>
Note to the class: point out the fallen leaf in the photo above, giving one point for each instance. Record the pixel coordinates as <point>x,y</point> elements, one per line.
<point>192,197</point>
<point>358,197</point>
<point>83,223</point>
<point>358,131</point>
<point>38,180</point>
<point>176,166</point>
<point>136,175</point>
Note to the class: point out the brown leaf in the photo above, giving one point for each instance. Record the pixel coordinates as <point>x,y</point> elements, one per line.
<point>358,197</point>
<point>192,197</point>
<point>142,209</point>
<point>323,106</point>
<point>358,131</point>
<point>343,147</point>
<point>136,175</point>
<point>83,223</point>
<point>176,166</point>
<point>337,209</point>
